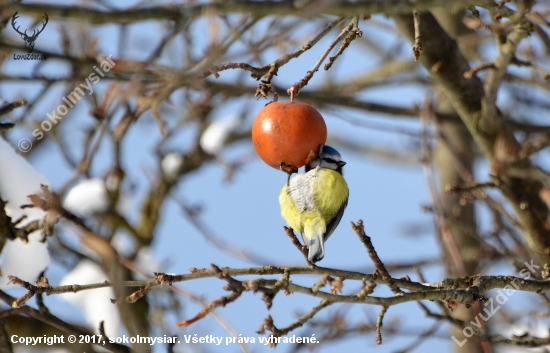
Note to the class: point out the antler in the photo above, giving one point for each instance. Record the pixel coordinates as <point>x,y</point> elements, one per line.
<point>45,23</point>
<point>15,17</point>
<point>35,33</point>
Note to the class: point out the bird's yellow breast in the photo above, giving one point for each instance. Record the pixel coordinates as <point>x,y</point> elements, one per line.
<point>319,193</point>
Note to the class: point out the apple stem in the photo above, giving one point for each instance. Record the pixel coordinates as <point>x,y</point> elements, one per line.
<point>292,91</point>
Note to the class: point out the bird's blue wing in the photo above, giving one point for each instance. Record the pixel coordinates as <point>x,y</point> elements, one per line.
<point>334,223</point>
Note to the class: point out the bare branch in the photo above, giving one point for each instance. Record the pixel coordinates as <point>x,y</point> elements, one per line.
<point>359,230</point>
<point>378,328</point>
<point>417,47</point>
<point>294,90</point>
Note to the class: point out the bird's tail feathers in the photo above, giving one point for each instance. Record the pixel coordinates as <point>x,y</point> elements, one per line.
<point>316,248</point>
<point>313,238</point>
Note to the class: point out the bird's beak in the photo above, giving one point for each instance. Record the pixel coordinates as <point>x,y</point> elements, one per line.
<point>341,163</point>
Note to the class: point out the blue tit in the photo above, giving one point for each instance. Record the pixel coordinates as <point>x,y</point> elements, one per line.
<point>313,202</point>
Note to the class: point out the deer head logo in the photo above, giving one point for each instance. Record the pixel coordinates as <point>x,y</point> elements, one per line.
<point>29,40</point>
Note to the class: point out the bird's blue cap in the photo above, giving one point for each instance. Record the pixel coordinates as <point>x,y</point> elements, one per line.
<point>327,151</point>
<point>328,158</point>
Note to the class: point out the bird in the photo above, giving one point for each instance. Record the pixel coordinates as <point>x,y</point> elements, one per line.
<point>313,202</point>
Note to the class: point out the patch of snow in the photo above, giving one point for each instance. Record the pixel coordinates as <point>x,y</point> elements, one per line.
<point>18,180</point>
<point>214,137</point>
<point>171,164</point>
<point>87,198</point>
<point>95,303</point>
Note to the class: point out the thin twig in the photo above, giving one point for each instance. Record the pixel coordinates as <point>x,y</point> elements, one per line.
<point>419,274</point>
<point>217,241</point>
<point>304,318</point>
<point>378,327</point>
<point>7,108</point>
<point>474,70</point>
<point>270,70</point>
<point>507,52</point>
<point>354,33</point>
<point>232,284</point>
<point>457,188</point>
<point>6,126</point>
<point>529,65</point>
<point>320,283</point>
<point>294,90</point>
<point>366,289</point>
<point>290,233</point>
<point>422,338</point>
<point>32,290</point>
<point>268,323</point>
<point>359,229</point>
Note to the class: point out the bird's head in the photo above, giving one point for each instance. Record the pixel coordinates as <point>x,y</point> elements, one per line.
<point>328,158</point>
